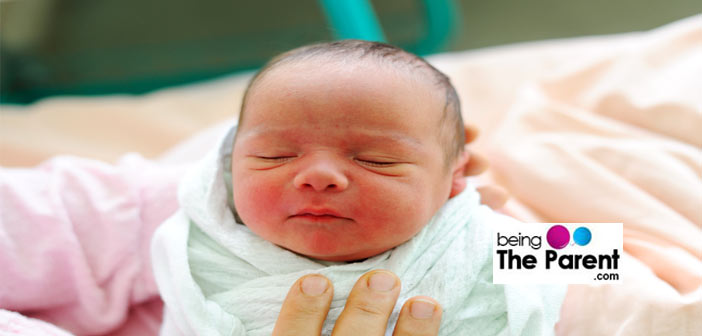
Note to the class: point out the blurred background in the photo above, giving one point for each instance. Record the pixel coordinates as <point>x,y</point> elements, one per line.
<point>96,47</point>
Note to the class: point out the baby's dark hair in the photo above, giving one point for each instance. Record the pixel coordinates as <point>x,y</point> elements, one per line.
<point>451,130</point>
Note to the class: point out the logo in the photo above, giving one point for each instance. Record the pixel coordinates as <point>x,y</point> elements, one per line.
<point>558,236</point>
<point>573,253</point>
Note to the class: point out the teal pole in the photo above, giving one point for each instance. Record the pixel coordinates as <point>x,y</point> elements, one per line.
<point>353,19</point>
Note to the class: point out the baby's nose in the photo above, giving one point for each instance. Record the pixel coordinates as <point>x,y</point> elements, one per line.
<point>321,174</point>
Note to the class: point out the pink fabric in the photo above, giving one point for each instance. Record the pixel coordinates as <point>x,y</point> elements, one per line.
<point>12,323</point>
<point>74,243</point>
<point>616,138</point>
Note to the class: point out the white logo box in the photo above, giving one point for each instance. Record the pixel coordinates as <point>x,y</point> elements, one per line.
<point>525,245</point>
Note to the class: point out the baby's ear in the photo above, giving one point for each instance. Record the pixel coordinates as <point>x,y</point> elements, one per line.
<point>458,178</point>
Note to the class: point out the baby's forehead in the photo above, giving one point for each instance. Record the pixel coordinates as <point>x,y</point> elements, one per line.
<point>344,83</point>
<point>311,81</point>
<point>339,69</point>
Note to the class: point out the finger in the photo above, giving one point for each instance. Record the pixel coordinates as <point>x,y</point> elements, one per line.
<point>493,196</point>
<point>369,305</point>
<point>305,307</point>
<point>420,316</point>
<point>476,165</point>
<point>471,133</point>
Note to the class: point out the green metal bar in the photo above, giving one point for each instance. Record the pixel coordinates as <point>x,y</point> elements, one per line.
<point>353,19</point>
<point>442,22</point>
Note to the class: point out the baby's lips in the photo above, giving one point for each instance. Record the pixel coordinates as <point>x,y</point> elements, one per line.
<point>319,212</point>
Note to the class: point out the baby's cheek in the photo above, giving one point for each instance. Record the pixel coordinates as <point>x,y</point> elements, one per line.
<point>392,209</point>
<point>254,202</point>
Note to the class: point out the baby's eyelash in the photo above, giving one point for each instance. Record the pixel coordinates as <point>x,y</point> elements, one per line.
<point>275,158</point>
<point>376,163</point>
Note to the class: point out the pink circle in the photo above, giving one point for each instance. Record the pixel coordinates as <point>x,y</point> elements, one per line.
<point>558,236</point>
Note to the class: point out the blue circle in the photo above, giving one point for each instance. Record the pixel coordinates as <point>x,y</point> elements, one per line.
<point>582,236</point>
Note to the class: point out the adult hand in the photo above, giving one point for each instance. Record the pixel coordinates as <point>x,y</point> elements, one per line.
<point>367,309</point>
<point>490,195</point>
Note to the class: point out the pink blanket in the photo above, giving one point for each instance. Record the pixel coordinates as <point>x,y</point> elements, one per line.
<point>601,129</point>
<point>74,244</point>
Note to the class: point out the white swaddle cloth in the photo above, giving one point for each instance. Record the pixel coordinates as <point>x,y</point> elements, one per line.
<point>216,277</point>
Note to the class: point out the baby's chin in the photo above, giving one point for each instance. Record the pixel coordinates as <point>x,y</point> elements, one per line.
<point>318,253</point>
<point>331,245</point>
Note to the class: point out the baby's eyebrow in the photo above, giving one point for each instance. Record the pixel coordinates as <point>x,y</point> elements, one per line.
<point>396,137</point>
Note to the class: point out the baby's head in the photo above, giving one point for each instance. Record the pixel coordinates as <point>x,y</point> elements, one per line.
<point>346,149</point>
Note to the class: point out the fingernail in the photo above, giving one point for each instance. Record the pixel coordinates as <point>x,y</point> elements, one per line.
<point>381,282</point>
<point>422,309</point>
<point>314,285</point>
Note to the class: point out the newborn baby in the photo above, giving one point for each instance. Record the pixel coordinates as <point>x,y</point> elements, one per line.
<point>348,156</point>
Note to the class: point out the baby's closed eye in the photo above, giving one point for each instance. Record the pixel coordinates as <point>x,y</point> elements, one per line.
<point>275,158</point>
<point>389,166</point>
<point>265,161</point>
<point>376,162</point>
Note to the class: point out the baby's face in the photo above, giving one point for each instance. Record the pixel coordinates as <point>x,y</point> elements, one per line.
<point>339,162</point>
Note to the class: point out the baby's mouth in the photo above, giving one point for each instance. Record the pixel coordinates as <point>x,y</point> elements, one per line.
<point>313,216</point>
<point>318,215</point>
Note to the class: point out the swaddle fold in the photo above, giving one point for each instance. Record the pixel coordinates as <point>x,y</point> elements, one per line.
<point>216,277</point>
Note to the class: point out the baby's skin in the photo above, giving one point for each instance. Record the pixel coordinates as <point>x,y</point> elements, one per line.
<point>340,161</point>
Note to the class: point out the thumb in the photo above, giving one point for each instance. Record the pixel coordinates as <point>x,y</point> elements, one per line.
<point>305,307</point>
